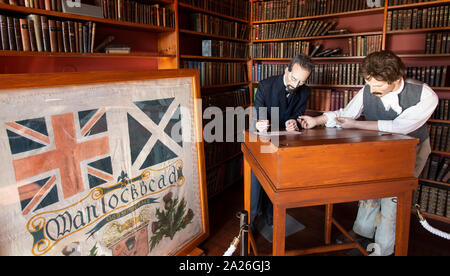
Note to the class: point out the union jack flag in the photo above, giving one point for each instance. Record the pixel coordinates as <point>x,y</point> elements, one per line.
<point>56,157</point>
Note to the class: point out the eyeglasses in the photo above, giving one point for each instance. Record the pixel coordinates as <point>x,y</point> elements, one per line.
<point>295,81</point>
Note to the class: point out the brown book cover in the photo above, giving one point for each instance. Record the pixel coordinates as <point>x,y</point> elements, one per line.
<point>48,5</point>
<point>4,32</point>
<point>53,35</point>
<point>65,36</point>
<point>36,19</point>
<point>92,39</point>
<point>32,35</point>
<point>59,36</point>
<point>77,37</point>
<point>24,33</point>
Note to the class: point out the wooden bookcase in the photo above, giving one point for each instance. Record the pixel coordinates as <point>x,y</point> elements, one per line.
<point>332,81</point>
<point>214,38</point>
<point>152,46</point>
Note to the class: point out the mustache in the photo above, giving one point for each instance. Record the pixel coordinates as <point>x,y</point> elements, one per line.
<point>377,93</point>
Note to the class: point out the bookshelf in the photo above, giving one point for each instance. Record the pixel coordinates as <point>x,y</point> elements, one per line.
<point>399,25</point>
<point>214,38</point>
<point>149,30</point>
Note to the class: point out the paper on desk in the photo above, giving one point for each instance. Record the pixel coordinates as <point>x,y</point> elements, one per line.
<point>278,133</point>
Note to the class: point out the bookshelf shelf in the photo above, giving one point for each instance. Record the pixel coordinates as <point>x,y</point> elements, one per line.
<point>423,30</point>
<point>439,121</point>
<point>435,182</point>
<point>319,37</point>
<point>81,55</point>
<point>213,58</point>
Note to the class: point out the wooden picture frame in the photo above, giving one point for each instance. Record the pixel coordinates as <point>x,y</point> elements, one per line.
<point>120,190</point>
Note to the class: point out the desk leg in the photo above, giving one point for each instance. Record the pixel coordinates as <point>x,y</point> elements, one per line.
<point>279,230</point>
<point>402,224</point>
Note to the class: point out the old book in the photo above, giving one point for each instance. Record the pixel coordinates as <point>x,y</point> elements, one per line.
<point>441,200</point>
<point>100,47</point>
<point>434,163</point>
<point>443,169</point>
<point>424,193</point>
<point>432,200</point>
<point>71,31</point>
<point>36,19</point>
<point>4,32</point>
<point>59,36</point>
<point>18,34</point>
<point>25,36</point>
<point>11,34</point>
<point>32,35</point>
<point>65,36</point>
<point>45,34</point>
<point>92,38</point>
<point>53,35</point>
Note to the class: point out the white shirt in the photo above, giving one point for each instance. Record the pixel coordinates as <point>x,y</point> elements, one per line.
<point>409,119</point>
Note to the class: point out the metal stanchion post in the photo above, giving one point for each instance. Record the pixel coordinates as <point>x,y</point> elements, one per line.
<point>244,227</point>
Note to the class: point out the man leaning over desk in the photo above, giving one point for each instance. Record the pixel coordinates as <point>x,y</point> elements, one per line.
<point>393,104</point>
<point>289,93</point>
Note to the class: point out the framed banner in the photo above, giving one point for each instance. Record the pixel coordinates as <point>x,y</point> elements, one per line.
<point>102,163</point>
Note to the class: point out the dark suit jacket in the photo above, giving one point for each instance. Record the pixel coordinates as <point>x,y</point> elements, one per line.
<point>272,93</point>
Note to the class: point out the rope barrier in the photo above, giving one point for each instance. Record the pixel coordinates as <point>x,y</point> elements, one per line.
<point>430,228</point>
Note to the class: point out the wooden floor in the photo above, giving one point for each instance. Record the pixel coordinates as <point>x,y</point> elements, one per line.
<point>224,226</point>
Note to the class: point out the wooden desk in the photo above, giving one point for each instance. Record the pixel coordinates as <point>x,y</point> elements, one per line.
<point>323,166</point>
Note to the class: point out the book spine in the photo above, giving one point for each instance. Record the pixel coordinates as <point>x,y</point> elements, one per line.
<point>25,36</point>
<point>32,35</point>
<point>53,35</point>
<point>18,34</point>
<point>45,34</point>
<point>4,32</point>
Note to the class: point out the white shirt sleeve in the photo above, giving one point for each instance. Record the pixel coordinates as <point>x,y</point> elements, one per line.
<point>413,117</point>
<point>353,110</point>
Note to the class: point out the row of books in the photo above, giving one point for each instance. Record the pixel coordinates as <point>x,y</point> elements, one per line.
<point>270,10</point>
<point>441,111</point>
<point>220,48</point>
<point>290,29</point>
<point>431,75</point>
<point>216,73</point>
<point>37,33</point>
<point>336,74</point>
<point>404,2</point>
<point>208,24</point>
<point>218,179</point>
<point>234,8</point>
<point>133,11</point>
<point>433,199</point>
<point>235,98</point>
<point>436,168</point>
<point>439,137</point>
<point>364,45</point>
<point>432,17</point>
<point>437,43</point>
<point>261,71</point>
<point>286,49</point>
<point>50,5</point>
<point>329,100</point>
<point>124,10</point>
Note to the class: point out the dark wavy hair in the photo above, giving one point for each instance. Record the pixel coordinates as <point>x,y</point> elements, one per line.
<point>383,66</point>
<point>302,60</point>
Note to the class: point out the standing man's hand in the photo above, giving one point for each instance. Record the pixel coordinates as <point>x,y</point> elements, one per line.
<point>291,125</point>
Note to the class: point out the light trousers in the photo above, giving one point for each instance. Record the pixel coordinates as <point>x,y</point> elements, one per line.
<point>378,216</point>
